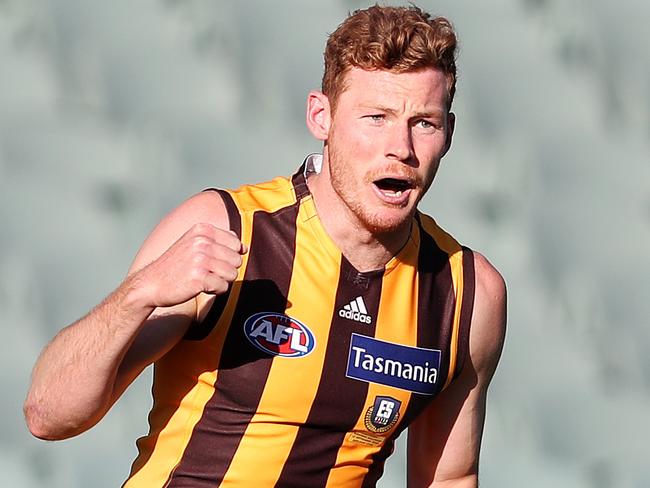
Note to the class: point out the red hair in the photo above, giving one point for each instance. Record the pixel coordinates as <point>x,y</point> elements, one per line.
<point>397,39</point>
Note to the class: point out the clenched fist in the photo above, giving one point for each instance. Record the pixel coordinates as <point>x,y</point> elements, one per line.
<point>205,259</point>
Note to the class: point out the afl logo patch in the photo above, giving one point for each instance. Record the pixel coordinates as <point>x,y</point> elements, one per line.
<point>279,335</point>
<point>383,414</point>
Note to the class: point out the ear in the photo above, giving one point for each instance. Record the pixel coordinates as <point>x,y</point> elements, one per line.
<point>451,124</point>
<point>318,115</point>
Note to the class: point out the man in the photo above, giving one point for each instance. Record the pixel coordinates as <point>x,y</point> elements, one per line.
<point>298,326</point>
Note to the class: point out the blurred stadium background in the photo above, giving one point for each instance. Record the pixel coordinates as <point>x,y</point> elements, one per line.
<point>111,113</point>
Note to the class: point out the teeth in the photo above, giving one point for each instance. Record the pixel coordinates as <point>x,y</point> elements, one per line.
<point>396,193</point>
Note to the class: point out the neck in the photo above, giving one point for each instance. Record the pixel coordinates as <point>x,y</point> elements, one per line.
<point>365,249</point>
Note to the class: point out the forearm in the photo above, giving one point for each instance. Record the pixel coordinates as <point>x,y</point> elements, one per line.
<point>72,381</point>
<point>86,367</point>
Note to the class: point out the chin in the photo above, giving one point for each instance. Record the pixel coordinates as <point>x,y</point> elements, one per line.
<point>386,224</point>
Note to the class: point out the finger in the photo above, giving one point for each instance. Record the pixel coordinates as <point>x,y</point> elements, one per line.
<point>204,244</point>
<point>229,239</point>
<point>214,284</point>
<point>234,259</point>
<point>204,229</point>
<point>225,236</point>
<point>244,248</point>
<point>219,280</point>
<point>220,252</point>
<point>224,270</point>
<point>216,266</point>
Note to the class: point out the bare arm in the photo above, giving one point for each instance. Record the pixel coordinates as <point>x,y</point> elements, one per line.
<point>444,441</point>
<point>89,364</point>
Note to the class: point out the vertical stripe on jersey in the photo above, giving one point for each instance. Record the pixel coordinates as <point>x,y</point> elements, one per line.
<point>436,305</point>
<point>455,256</point>
<point>436,298</point>
<point>292,383</point>
<point>466,309</point>
<point>396,323</point>
<point>316,446</point>
<point>200,330</point>
<point>242,368</point>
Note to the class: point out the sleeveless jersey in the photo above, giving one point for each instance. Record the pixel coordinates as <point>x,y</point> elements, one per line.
<point>306,371</point>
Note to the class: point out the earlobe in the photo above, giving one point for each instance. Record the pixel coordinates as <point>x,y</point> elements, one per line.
<point>318,115</point>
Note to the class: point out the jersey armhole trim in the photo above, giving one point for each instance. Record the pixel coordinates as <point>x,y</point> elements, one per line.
<point>466,309</point>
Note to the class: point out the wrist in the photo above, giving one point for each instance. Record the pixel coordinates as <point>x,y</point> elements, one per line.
<point>136,295</point>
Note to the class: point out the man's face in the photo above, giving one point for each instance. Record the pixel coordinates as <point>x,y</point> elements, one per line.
<point>385,142</point>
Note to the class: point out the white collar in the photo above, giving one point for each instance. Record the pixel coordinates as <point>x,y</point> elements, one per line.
<point>313,164</point>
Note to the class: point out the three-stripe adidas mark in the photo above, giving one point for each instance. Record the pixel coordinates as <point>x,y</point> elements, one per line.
<point>356,310</point>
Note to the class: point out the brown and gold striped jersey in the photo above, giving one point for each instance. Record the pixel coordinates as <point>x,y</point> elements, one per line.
<point>306,371</point>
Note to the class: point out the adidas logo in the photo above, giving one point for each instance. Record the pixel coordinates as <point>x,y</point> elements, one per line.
<point>356,310</point>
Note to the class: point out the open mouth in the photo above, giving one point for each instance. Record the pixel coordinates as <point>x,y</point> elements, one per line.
<point>393,187</point>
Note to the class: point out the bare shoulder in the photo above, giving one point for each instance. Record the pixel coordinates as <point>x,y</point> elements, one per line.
<point>488,326</point>
<point>206,208</point>
<point>490,285</point>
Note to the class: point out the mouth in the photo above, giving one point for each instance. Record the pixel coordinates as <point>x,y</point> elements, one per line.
<point>392,190</point>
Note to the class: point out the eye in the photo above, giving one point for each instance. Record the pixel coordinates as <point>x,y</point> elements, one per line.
<point>426,124</point>
<point>376,118</point>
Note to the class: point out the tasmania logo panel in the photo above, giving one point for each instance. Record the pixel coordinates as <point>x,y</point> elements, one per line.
<point>386,363</point>
<point>279,335</point>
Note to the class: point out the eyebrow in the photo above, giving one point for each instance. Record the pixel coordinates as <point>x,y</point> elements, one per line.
<point>435,114</point>
<point>426,113</point>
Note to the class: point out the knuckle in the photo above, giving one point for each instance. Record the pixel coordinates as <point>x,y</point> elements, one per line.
<point>197,273</point>
<point>198,259</point>
<point>201,228</point>
<point>200,242</point>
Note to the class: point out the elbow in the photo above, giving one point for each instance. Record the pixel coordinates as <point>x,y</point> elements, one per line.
<point>35,424</point>
<point>41,428</point>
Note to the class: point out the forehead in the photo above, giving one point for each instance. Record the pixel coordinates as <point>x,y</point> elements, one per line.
<point>422,89</point>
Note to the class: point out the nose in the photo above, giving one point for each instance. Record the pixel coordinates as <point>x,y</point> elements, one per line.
<point>399,143</point>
